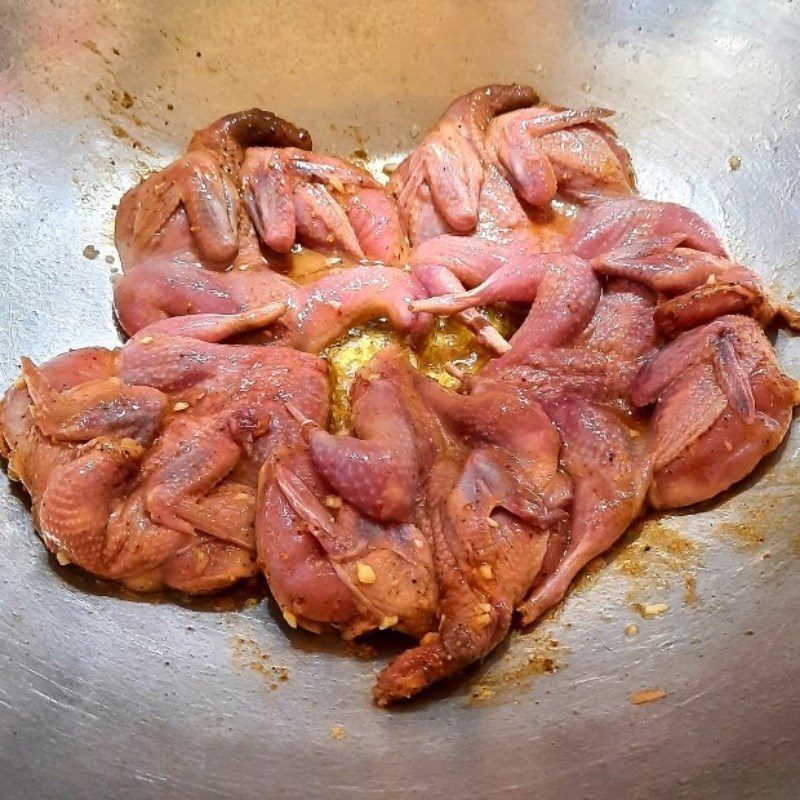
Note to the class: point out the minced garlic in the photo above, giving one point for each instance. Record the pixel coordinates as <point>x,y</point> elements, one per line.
<point>650,610</point>
<point>365,573</point>
<point>291,619</point>
<point>647,696</point>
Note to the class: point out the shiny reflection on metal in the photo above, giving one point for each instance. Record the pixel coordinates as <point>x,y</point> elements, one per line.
<point>103,697</point>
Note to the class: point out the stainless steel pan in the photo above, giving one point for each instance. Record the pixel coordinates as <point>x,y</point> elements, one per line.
<point>101,697</point>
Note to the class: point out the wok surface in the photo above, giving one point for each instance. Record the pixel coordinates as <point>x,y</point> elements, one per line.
<point>104,697</point>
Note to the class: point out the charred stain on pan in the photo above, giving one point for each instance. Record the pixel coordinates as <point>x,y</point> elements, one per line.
<point>527,657</point>
<point>654,555</point>
<point>248,655</point>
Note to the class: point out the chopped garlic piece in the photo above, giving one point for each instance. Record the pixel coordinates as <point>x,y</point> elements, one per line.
<point>387,622</point>
<point>647,696</point>
<point>654,609</point>
<point>62,558</point>
<point>181,406</point>
<point>333,501</point>
<point>631,630</point>
<point>336,184</point>
<point>291,619</point>
<point>365,573</point>
<point>338,732</point>
<point>485,571</point>
<point>492,523</point>
<point>146,339</point>
<point>201,559</point>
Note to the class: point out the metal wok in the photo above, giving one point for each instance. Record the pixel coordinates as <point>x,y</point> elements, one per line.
<point>102,697</point>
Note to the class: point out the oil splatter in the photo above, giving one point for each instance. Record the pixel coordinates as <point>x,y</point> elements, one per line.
<point>346,357</point>
<point>304,265</point>
<point>447,343</point>
<point>450,343</point>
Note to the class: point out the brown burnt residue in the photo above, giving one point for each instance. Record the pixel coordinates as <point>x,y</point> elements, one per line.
<point>121,133</point>
<point>121,99</point>
<point>528,656</point>
<point>114,104</point>
<point>359,155</point>
<point>247,654</point>
<point>93,48</point>
<point>121,102</point>
<point>754,524</point>
<point>796,544</point>
<point>690,590</point>
<point>588,576</point>
<point>754,517</point>
<point>363,651</point>
<point>654,555</point>
<point>745,535</point>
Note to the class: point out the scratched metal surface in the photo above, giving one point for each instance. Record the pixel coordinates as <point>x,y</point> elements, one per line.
<point>103,697</point>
